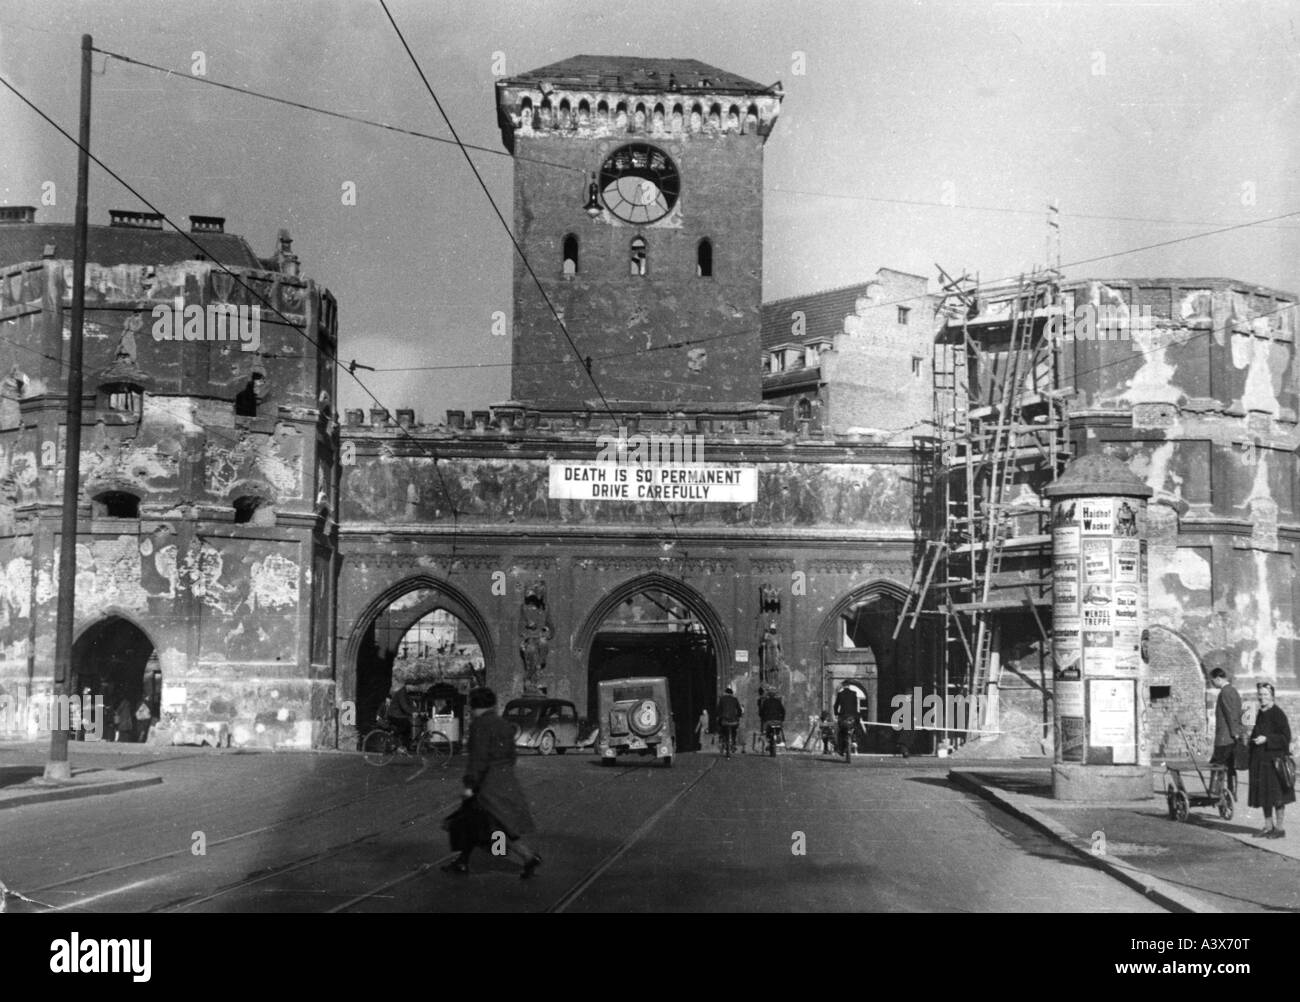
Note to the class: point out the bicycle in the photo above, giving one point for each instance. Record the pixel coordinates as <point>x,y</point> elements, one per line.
<point>382,745</point>
<point>774,732</point>
<point>728,736</point>
<point>847,726</point>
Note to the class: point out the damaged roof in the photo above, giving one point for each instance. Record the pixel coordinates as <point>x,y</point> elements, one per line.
<point>635,73</point>
<point>114,245</point>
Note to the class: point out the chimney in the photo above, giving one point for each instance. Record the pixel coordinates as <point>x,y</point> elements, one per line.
<point>17,214</point>
<point>378,417</point>
<point>405,418</point>
<point>356,418</point>
<point>135,220</point>
<point>207,224</point>
<point>456,419</point>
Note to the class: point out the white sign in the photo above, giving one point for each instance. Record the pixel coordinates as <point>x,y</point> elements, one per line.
<point>691,482</point>
<point>1112,716</point>
<point>742,657</point>
<point>173,697</point>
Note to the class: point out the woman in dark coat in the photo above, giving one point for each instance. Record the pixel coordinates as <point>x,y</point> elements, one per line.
<point>1270,742</point>
<point>491,777</point>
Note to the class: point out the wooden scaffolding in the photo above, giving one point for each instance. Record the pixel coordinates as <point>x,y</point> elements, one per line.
<point>1000,436</point>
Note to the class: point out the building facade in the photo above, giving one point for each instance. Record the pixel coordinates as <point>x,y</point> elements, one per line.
<point>205,551</point>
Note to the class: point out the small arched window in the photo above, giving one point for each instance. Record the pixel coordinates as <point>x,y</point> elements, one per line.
<point>805,409</point>
<point>584,112</point>
<point>117,504</point>
<point>602,110</point>
<point>704,259</point>
<point>253,510</point>
<point>246,400</point>
<point>570,256</point>
<point>638,260</point>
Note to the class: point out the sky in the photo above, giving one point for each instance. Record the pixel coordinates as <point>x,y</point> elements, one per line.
<point>911,134</point>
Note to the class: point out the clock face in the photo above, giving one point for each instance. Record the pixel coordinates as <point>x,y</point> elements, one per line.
<point>639,183</point>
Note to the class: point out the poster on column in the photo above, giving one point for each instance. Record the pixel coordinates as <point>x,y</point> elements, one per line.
<point>1128,650</point>
<point>1097,517</point>
<point>1112,718</point>
<point>1127,561</point>
<point>1098,650</point>
<point>1069,698</point>
<point>1065,589</point>
<point>1097,566</point>
<point>1067,652</point>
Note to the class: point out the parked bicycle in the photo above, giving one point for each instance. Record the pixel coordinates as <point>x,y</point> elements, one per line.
<point>383,744</point>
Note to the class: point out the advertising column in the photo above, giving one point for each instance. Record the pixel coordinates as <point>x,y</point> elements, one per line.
<point>1099,612</point>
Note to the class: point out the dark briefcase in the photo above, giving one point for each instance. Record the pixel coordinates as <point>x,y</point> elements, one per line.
<point>468,826</point>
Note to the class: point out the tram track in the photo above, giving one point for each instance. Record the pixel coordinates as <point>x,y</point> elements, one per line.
<point>137,870</point>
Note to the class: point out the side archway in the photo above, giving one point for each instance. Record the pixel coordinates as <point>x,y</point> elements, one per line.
<point>857,642</point>
<point>367,668</point>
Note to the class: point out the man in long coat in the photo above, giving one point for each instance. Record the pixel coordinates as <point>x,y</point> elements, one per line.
<point>490,777</point>
<point>1229,731</point>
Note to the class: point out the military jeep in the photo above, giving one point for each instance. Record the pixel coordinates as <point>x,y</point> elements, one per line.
<point>635,717</point>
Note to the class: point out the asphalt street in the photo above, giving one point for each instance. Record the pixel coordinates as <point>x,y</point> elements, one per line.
<point>240,832</point>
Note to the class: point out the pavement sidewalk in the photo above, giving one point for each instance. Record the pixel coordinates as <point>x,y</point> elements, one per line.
<point>1205,864</point>
<point>21,785</point>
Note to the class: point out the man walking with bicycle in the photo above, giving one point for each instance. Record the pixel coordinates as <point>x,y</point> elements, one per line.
<point>399,713</point>
<point>846,711</point>
<point>729,714</point>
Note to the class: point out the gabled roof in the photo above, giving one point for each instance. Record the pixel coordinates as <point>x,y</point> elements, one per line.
<point>635,73</point>
<point>824,314</point>
<point>113,245</point>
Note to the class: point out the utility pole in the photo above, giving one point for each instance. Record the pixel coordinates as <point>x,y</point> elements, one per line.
<point>57,767</point>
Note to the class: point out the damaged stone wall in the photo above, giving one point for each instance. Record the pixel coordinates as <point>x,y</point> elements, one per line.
<point>1197,391</point>
<point>225,602</point>
<point>508,532</point>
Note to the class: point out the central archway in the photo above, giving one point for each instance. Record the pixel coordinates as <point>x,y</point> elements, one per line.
<point>657,625</point>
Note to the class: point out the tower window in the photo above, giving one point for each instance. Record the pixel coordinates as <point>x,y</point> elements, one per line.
<point>903,313</point>
<point>916,367</point>
<point>123,398</point>
<point>570,256</point>
<point>117,504</point>
<point>704,259</point>
<point>638,262</point>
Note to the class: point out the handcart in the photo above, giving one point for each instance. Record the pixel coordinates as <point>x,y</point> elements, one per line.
<point>1217,792</point>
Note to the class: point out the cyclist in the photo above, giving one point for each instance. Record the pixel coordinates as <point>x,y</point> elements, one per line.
<point>729,713</point>
<point>771,715</point>
<point>399,713</point>
<point>846,711</point>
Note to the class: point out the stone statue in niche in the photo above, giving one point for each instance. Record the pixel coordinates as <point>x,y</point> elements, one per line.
<point>126,347</point>
<point>770,658</point>
<point>535,633</point>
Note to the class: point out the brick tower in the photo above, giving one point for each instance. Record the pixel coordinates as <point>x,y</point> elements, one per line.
<point>638,202</point>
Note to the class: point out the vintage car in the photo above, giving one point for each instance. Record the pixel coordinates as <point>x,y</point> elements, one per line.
<point>551,726</point>
<point>635,716</point>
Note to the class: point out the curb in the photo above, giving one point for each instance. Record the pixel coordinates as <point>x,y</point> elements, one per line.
<point>21,797</point>
<point>1161,892</point>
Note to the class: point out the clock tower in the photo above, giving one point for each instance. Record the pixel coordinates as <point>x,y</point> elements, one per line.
<point>638,203</point>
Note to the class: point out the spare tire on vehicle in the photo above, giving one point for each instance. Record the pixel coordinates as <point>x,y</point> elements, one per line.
<point>645,718</point>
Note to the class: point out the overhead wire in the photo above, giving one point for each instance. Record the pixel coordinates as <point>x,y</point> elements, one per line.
<point>521,158</point>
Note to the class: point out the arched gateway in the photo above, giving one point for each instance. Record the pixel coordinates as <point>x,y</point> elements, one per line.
<point>657,625</point>
<point>423,630</point>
